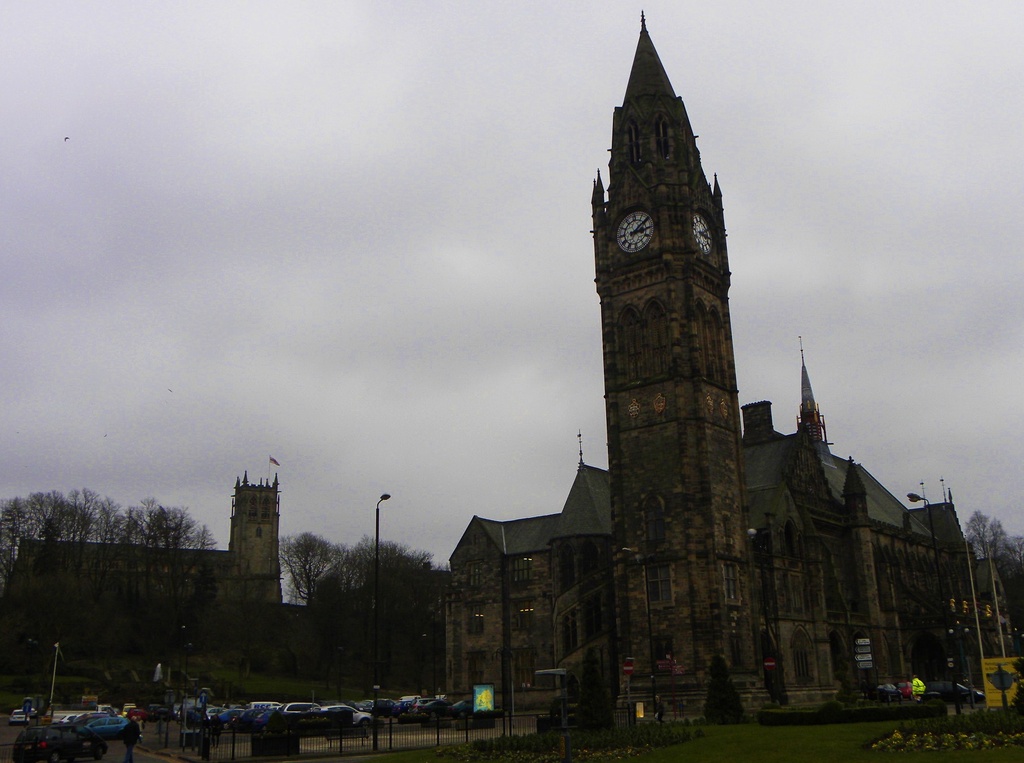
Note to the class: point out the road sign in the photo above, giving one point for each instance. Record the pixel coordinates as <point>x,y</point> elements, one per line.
<point>769,663</point>
<point>664,664</point>
<point>862,648</point>
<point>862,657</point>
<point>627,667</point>
<point>862,642</point>
<point>677,669</point>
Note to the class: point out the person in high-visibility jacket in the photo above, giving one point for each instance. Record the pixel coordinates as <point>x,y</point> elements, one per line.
<point>917,687</point>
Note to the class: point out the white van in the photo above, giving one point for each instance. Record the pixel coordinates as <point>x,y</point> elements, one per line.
<point>264,706</point>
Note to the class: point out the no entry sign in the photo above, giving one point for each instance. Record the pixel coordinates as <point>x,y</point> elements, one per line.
<point>627,667</point>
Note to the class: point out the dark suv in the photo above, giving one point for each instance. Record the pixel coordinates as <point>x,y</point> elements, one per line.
<point>944,690</point>
<point>56,743</point>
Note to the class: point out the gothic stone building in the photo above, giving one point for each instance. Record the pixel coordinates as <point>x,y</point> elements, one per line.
<point>250,569</point>
<point>702,538</point>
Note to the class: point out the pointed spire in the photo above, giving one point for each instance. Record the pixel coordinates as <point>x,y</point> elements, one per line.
<point>810,419</point>
<point>597,198</point>
<point>717,192</point>
<point>648,76</point>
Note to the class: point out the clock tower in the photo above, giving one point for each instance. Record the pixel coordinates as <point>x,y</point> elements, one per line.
<point>679,516</point>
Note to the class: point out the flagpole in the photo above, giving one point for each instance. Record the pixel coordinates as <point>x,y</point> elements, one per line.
<point>53,681</point>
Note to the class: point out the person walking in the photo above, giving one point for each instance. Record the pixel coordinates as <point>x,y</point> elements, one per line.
<point>130,735</point>
<point>659,709</point>
<point>917,687</point>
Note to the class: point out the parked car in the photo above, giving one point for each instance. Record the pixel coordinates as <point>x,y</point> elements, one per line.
<point>19,718</point>
<point>109,727</point>
<point>159,712</point>
<point>359,718</point>
<point>80,719</point>
<point>944,690</point>
<point>432,708</point>
<point>888,693</point>
<point>462,709</point>
<point>385,707</point>
<point>300,707</point>
<point>229,718</point>
<point>56,743</point>
<point>402,706</point>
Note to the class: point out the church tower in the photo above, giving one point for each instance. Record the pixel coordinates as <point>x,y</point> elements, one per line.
<point>254,544</point>
<point>677,492</point>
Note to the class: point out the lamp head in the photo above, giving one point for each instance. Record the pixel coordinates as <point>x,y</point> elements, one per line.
<point>914,498</point>
<point>385,496</point>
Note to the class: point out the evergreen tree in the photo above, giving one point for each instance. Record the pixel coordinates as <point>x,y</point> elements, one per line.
<point>722,704</point>
<point>1018,697</point>
<point>595,708</point>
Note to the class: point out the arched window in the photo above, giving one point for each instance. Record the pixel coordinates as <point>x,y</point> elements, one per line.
<point>656,331</point>
<point>633,136</point>
<point>713,341</point>
<point>567,566</point>
<point>654,517</point>
<point>699,330</point>
<point>802,663</point>
<point>664,147</point>
<point>590,558</point>
<point>632,343</point>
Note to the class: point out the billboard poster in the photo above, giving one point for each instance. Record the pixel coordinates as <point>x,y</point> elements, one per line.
<point>999,672</point>
<point>483,698</point>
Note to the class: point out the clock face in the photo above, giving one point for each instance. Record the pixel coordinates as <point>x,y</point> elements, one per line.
<point>635,231</point>
<point>702,234</point>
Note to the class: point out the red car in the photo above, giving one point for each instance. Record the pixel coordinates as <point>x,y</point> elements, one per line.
<point>138,715</point>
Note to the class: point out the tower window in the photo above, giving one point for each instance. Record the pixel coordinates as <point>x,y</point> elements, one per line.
<point>656,338</point>
<point>476,620</point>
<point>661,138</point>
<point>592,616</point>
<point>475,573</point>
<point>659,583</point>
<point>633,134</point>
<point>655,517</point>
<point>570,632</point>
<point>632,344</point>
<point>567,564</point>
<point>729,579</point>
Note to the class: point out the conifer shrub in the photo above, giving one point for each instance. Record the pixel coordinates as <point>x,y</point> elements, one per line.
<point>722,703</point>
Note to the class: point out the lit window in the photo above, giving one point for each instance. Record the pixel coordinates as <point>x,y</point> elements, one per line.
<point>522,569</point>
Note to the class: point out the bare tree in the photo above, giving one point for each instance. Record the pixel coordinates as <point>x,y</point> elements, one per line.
<point>307,558</point>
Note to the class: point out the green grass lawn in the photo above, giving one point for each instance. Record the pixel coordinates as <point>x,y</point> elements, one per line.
<point>752,743</point>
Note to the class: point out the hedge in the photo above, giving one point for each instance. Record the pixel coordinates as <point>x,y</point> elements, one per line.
<point>837,712</point>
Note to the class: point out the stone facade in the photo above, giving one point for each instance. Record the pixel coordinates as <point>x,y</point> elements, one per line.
<point>703,538</point>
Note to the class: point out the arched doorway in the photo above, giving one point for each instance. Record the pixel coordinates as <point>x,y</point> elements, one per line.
<point>928,658</point>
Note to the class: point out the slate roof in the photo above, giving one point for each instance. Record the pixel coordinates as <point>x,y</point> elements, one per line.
<point>587,511</point>
<point>766,461</point>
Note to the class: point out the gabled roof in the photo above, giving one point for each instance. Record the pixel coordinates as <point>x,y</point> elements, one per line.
<point>587,511</point>
<point>765,466</point>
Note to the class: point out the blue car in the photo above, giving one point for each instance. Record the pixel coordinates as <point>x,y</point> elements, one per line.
<point>107,728</point>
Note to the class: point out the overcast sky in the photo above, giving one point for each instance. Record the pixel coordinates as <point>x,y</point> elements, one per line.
<point>355,236</point>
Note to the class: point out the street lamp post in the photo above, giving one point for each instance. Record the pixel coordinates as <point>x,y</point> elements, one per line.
<point>376,617</point>
<point>761,540</point>
<point>644,561</point>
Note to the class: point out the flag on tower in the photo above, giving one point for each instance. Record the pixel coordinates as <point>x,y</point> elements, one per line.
<point>274,461</point>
